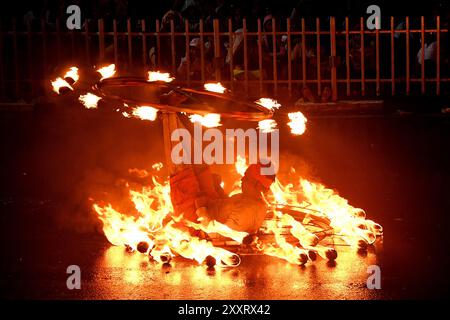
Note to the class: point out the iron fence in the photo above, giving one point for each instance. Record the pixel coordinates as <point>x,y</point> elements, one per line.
<point>279,58</point>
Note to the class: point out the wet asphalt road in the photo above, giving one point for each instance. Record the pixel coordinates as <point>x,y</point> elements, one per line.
<point>396,169</point>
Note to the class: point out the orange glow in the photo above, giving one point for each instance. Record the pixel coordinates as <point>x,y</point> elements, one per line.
<point>297,123</point>
<point>60,83</point>
<point>211,120</point>
<point>214,87</point>
<point>159,76</point>
<point>268,103</point>
<point>89,100</point>
<point>267,126</point>
<point>73,74</point>
<point>107,72</point>
<point>145,113</point>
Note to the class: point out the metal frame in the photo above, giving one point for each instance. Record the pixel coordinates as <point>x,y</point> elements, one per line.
<point>28,56</point>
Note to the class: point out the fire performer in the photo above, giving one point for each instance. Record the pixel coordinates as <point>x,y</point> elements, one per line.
<point>206,200</point>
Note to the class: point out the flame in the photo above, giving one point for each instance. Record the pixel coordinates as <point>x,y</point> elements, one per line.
<point>297,123</point>
<point>210,120</point>
<point>214,87</point>
<point>164,240</point>
<point>145,113</point>
<point>267,126</point>
<point>60,83</point>
<point>73,74</point>
<point>159,76</point>
<point>268,103</point>
<point>153,206</point>
<point>89,100</point>
<point>108,71</point>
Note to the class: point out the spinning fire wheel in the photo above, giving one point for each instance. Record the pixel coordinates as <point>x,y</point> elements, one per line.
<point>170,100</point>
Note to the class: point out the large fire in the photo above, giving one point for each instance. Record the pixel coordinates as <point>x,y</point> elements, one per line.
<point>326,210</point>
<point>302,215</point>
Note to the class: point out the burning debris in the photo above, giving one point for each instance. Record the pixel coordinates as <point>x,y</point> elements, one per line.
<point>89,100</point>
<point>297,222</point>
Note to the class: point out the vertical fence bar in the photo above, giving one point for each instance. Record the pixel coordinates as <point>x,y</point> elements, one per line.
<point>73,46</point>
<point>15,59</point>
<point>347,56</point>
<point>260,61</point>
<point>303,52</point>
<point>438,55</point>
<point>2,65</point>
<point>188,53</point>
<point>29,59</point>
<point>334,87</point>
<point>392,57</point>
<point>408,80</point>
<point>86,42</point>
<point>58,41</point>
<point>244,34</point>
<point>158,44</point>
<point>288,26</point>
<point>172,46</point>
<point>230,52</point>
<point>216,49</point>
<point>377,60</point>
<point>319,66</point>
<point>422,56</point>
<point>363,75</point>
<point>274,58</point>
<point>130,44</point>
<point>44,48</point>
<point>144,43</point>
<point>115,42</point>
<point>202,52</point>
<point>101,39</point>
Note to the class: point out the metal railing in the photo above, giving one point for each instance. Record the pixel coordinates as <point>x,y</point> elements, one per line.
<point>350,60</point>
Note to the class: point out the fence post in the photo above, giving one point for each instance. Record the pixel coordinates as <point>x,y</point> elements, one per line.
<point>144,43</point>
<point>172,47</point>
<point>274,58</point>
<point>347,57</point>
<point>16,60</point>
<point>422,56</point>
<point>130,44</point>
<point>29,58</point>
<point>363,72</point>
<point>260,61</point>
<point>230,52</point>
<point>333,59</point>
<point>2,66</point>
<point>216,49</point>
<point>188,53</point>
<point>244,34</point>
<point>288,24</point>
<point>86,42</point>
<point>392,57</point>
<point>101,39</point>
<point>318,59</point>
<point>115,42</point>
<point>407,58</point>
<point>438,55</point>
<point>202,52</point>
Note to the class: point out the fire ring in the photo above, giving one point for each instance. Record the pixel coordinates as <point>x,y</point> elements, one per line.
<point>140,92</point>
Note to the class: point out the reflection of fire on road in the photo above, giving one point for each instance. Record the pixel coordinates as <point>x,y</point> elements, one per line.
<point>300,221</point>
